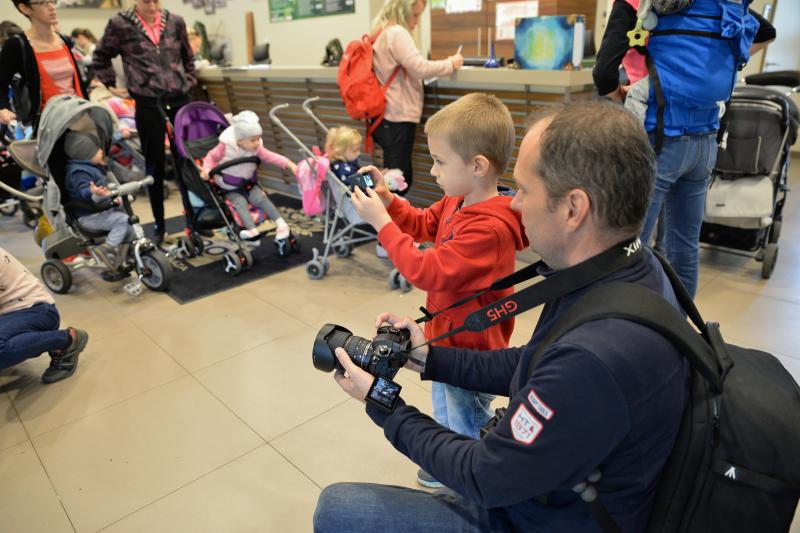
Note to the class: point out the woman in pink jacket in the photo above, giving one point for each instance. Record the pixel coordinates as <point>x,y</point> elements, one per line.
<point>394,48</point>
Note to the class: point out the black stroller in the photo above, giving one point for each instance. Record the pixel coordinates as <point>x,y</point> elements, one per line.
<point>196,131</point>
<point>744,204</point>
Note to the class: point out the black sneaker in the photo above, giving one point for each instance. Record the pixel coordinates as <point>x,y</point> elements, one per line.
<point>427,480</point>
<point>64,363</point>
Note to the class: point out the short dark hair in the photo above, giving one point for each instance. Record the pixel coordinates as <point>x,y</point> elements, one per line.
<point>18,3</point>
<point>8,29</point>
<point>602,149</point>
<point>86,32</point>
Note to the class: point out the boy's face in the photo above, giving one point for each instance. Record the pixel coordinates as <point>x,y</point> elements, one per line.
<point>99,157</point>
<point>251,144</point>
<point>455,176</point>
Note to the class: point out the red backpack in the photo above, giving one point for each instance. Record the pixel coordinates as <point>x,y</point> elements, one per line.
<point>364,97</point>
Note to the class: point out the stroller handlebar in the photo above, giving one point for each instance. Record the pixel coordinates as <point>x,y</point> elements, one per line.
<point>273,116</point>
<point>307,108</point>
<point>232,163</point>
<point>132,187</point>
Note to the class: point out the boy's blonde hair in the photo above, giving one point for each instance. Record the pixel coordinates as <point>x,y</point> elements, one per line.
<point>476,124</point>
<point>339,140</point>
<point>394,12</point>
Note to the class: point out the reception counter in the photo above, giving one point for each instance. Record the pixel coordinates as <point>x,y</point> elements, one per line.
<point>259,89</point>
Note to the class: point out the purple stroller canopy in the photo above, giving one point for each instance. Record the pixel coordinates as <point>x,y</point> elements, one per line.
<point>197,120</point>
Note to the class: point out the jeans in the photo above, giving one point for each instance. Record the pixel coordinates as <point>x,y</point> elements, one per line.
<point>367,508</point>
<point>463,411</point>
<point>683,169</point>
<point>114,221</point>
<point>29,333</point>
<point>397,141</point>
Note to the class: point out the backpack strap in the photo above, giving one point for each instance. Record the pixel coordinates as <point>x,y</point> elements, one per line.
<point>369,144</point>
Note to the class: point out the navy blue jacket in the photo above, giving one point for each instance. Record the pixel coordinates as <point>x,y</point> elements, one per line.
<point>609,395</point>
<point>342,169</point>
<point>80,174</point>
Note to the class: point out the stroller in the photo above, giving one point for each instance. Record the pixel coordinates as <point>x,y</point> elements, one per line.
<point>744,204</point>
<point>197,129</point>
<point>45,158</point>
<point>342,230</point>
<point>12,182</point>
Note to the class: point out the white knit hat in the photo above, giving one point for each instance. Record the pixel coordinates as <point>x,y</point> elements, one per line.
<point>246,125</point>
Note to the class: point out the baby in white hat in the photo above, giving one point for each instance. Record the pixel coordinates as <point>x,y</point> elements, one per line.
<point>240,182</point>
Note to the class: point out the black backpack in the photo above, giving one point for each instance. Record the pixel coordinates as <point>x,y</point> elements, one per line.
<point>734,467</point>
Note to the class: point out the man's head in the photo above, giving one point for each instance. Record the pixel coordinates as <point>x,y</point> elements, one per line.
<point>584,174</point>
<point>471,138</point>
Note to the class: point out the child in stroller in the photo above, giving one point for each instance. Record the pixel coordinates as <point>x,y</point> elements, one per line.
<point>343,148</point>
<point>90,199</point>
<point>239,182</point>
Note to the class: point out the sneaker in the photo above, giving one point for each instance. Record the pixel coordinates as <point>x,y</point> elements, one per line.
<point>64,363</point>
<point>249,233</point>
<point>380,251</point>
<point>427,480</point>
<point>282,231</point>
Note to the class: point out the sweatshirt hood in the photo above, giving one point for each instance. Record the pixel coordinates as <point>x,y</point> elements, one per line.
<point>498,208</point>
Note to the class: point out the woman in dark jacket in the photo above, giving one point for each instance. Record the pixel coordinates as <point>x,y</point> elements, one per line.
<point>159,66</point>
<point>42,58</point>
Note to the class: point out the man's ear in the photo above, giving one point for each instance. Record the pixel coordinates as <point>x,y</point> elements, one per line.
<point>579,207</point>
<point>481,166</point>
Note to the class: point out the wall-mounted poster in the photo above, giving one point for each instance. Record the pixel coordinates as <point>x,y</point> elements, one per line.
<point>549,43</point>
<point>101,4</point>
<point>284,10</point>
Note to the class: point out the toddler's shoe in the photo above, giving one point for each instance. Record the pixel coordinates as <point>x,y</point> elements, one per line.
<point>249,233</point>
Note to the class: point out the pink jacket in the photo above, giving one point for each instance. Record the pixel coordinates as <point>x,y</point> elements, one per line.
<point>228,149</point>
<point>395,46</point>
<point>634,62</point>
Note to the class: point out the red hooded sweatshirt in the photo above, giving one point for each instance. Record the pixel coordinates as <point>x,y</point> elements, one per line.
<point>473,247</point>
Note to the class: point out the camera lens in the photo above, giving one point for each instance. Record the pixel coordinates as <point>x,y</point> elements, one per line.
<point>332,336</point>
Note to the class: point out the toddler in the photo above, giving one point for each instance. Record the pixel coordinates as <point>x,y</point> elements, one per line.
<point>240,182</point>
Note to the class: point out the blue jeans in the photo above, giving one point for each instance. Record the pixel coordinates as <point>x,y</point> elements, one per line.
<point>682,173</point>
<point>29,333</point>
<point>463,411</point>
<point>367,508</point>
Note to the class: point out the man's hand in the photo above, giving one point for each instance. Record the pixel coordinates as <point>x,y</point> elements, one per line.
<point>6,116</point>
<point>370,207</point>
<point>99,191</point>
<point>417,338</point>
<point>354,381</point>
<point>122,93</point>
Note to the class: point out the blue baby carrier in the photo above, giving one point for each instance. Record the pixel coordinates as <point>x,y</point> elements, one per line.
<point>693,55</point>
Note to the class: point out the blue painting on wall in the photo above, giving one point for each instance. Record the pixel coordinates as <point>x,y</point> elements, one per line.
<point>544,43</point>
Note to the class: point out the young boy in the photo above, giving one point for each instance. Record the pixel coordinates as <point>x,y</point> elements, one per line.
<point>475,235</point>
<point>85,182</point>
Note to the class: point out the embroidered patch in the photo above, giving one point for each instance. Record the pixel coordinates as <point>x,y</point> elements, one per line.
<point>524,426</point>
<point>539,406</point>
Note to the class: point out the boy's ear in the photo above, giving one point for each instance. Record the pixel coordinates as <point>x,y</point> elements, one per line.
<point>482,166</point>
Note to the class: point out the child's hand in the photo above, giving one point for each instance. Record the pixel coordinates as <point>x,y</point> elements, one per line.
<point>371,208</point>
<point>126,133</point>
<point>380,183</point>
<point>292,167</point>
<point>99,191</point>
<point>204,174</point>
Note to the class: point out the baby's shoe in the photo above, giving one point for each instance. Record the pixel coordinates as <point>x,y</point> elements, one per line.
<point>249,233</point>
<point>282,231</point>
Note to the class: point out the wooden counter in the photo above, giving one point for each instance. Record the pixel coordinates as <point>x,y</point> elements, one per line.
<point>259,89</point>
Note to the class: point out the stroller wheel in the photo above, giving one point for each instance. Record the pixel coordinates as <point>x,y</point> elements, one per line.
<point>405,285</point>
<point>394,279</point>
<point>770,258</point>
<point>157,272</point>
<point>343,250</point>
<point>286,246</point>
<point>245,257</point>
<point>315,269</point>
<point>197,243</point>
<point>56,276</point>
<point>184,248</point>
<point>30,217</point>
<point>9,209</point>
<point>775,231</point>
<point>232,263</point>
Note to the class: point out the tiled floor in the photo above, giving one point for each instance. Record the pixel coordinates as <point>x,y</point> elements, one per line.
<point>210,416</point>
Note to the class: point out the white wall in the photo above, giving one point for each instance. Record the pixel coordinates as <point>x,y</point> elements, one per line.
<point>300,42</point>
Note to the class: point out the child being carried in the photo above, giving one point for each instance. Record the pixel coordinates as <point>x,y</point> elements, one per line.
<point>240,182</point>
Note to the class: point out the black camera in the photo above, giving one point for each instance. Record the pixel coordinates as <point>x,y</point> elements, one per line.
<point>382,357</point>
<point>362,181</point>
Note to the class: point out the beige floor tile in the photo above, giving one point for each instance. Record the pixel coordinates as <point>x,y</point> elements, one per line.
<point>27,501</point>
<point>345,445</point>
<point>110,370</point>
<point>783,285</point>
<point>216,328</point>
<point>11,429</point>
<point>112,463</point>
<point>765,322</point>
<point>274,387</point>
<point>258,492</point>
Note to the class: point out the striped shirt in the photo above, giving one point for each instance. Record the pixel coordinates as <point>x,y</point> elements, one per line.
<point>57,74</point>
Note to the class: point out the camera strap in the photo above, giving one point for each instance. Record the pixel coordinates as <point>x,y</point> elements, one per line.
<point>554,286</point>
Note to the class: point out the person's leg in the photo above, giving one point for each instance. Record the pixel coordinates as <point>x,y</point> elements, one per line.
<point>685,208</point>
<point>670,164</point>
<point>467,411</point>
<point>242,209</point>
<point>259,198</point>
<point>367,508</point>
<point>397,141</point>
<point>29,333</point>
<point>113,221</point>
<point>439,403</point>
<point>152,129</point>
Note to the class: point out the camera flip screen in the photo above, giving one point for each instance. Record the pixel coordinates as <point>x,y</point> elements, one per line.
<point>384,393</point>
<point>362,181</point>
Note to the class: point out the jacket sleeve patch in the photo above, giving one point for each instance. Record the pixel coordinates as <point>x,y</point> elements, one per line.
<point>539,406</point>
<point>524,426</point>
